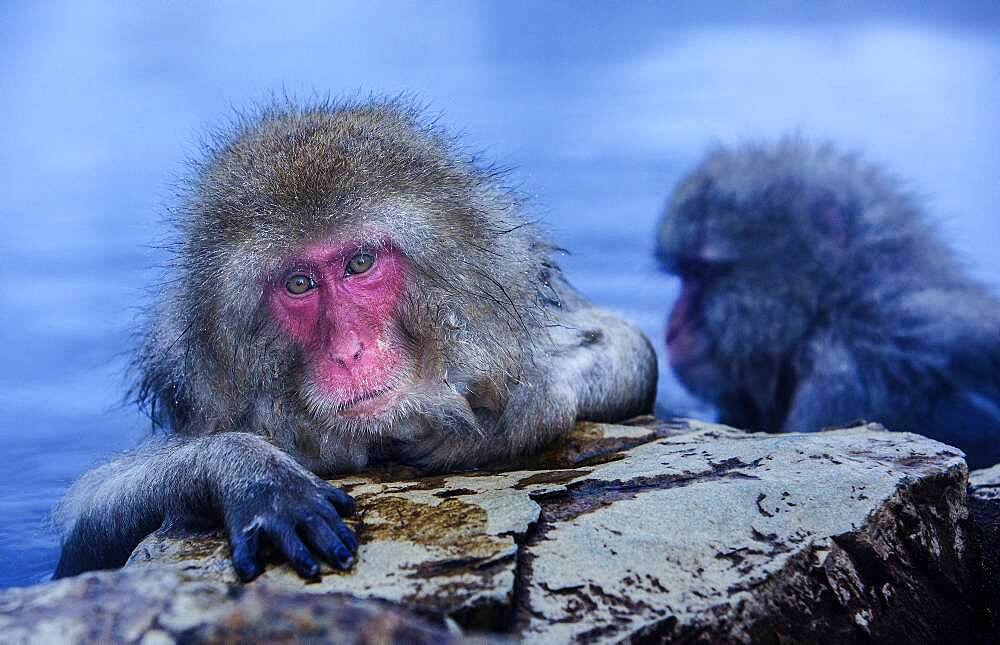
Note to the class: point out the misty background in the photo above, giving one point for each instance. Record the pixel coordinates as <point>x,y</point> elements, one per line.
<point>598,108</point>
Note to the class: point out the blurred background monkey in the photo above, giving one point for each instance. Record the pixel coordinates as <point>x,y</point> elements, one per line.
<point>816,292</point>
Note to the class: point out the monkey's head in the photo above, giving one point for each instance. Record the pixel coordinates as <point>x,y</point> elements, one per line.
<point>344,265</point>
<point>766,240</point>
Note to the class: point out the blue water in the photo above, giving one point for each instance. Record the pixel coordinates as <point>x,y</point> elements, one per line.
<point>599,109</point>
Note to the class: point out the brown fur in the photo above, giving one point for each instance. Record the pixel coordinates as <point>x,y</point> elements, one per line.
<point>506,354</point>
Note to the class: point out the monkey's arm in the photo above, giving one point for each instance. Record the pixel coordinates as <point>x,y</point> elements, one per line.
<point>591,363</point>
<point>235,479</point>
<point>588,365</point>
<point>831,393</point>
<point>608,364</point>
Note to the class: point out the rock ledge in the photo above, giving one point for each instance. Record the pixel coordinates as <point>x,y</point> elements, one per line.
<point>673,531</point>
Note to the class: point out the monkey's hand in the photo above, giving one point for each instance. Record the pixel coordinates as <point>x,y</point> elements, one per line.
<point>261,495</point>
<point>294,511</point>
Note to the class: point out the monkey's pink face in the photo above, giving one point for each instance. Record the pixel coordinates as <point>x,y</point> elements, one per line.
<point>338,301</point>
<point>689,347</point>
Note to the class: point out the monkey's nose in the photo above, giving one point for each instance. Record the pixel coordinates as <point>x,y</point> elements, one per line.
<point>672,332</point>
<point>348,352</point>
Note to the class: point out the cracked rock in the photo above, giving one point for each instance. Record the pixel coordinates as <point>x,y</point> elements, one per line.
<point>681,531</point>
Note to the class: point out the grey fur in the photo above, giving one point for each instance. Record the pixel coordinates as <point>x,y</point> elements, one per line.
<point>503,349</point>
<point>830,299</point>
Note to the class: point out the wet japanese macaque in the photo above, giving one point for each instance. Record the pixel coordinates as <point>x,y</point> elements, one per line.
<point>350,289</point>
<point>815,292</point>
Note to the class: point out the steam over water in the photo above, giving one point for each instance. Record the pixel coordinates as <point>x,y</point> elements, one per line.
<point>598,110</point>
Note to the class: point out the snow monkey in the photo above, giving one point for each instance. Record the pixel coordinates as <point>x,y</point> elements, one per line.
<point>816,292</point>
<point>350,288</point>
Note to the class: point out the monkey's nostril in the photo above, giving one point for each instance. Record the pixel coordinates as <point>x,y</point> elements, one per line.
<point>357,354</point>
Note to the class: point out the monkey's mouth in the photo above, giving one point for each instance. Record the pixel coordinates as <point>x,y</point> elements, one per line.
<point>369,404</point>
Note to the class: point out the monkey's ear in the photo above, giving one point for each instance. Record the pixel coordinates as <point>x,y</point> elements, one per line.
<point>832,216</point>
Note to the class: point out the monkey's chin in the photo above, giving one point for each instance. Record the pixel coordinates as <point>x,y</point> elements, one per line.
<point>700,377</point>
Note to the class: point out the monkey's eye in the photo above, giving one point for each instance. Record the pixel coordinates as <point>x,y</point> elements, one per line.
<point>360,263</point>
<point>298,284</point>
<point>695,268</point>
<point>689,267</point>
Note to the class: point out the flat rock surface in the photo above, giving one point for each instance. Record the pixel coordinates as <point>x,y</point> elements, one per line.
<point>681,531</point>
